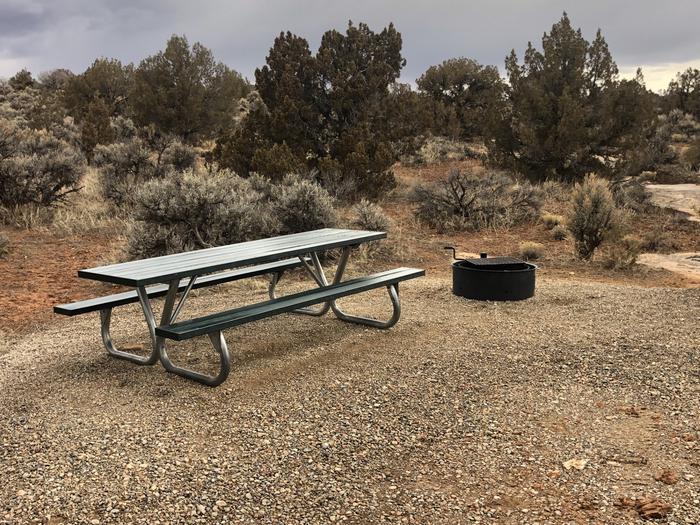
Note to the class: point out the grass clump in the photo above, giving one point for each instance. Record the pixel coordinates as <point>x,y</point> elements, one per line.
<point>559,232</point>
<point>530,251</point>
<point>550,220</point>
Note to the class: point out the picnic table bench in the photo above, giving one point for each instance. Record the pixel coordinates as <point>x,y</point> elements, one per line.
<point>170,275</point>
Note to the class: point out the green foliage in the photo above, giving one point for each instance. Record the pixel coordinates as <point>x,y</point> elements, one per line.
<point>568,112</point>
<point>462,88</point>
<point>35,166</point>
<point>593,216</point>
<point>107,81</point>
<point>329,109</point>
<point>56,79</point>
<point>683,93</point>
<point>276,161</point>
<point>184,91</point>
<point>21,80</point>
<point>302,205</point>
<point>472,199</point>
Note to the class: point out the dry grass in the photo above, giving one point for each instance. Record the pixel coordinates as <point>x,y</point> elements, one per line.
<point>88,211</point>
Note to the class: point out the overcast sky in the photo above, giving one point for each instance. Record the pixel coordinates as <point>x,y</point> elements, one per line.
<point>660,36</point>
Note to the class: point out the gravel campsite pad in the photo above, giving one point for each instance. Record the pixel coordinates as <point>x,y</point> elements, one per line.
<point>581,405</point>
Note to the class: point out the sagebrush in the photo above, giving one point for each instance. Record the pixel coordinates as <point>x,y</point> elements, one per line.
<point>476,199</point>
<point>593,216</point>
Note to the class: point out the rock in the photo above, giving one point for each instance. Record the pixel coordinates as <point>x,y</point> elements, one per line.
<point>669,477</point>
<point>578,464</point>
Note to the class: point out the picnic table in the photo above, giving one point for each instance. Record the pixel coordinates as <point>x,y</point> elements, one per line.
<point>170,275</point>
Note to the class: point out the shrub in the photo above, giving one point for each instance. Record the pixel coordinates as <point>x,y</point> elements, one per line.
<point>276,162</point>
<point>632,195</point>
<point>36,167</point>
<point>440,149</point>
<point>550,220</point>
<point>194,210</point>
<point>674,174</point>
<point>657,240</point>
<point>476,200</point>
<point>125,165</point>
<point>178,155</point>
<point>530,251</point>
<point>133,161</point>
<point>593,216</point>
<point>691,156</point>
<point>555,190</point>
<point>559,232</point>
<point>623,253</point>
<point>304,205</point>
<point>369,216</point>
<point>4,245</point>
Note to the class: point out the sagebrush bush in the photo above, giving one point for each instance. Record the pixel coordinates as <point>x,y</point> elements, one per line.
<point>623,253</point>
<point>35,166</point>
<point>178,155</point>
<point>550,220</point>
<point>191,210</point>
<point>691,156</point>
<point>559,232</point>
<point>370,216</point>
<point>134,160</point>
<point>555,190</point>
<point>658,241</point>
<point>530,251</point>
<point>124,166</point>
<point>476,199</point>
<point>4,245</point>
<point>632,195</point>
<point>593,216</point>
<point>303,205</point>
<point>440,149</point>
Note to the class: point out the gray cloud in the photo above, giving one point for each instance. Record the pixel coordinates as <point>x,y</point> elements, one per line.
<point>45,34</point>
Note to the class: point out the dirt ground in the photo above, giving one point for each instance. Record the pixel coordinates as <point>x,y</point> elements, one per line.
<point>581,405</point>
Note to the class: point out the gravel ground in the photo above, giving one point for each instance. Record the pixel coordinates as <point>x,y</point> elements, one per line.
<point>464,412</point>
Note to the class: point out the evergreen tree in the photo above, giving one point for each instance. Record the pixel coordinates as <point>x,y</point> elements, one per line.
<point>684,92</point>
<point>328,109</point>
<point>184,91</point>
<point>462,89</point>
<point>567,110</point>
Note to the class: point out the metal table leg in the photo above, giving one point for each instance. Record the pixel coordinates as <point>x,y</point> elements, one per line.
<point>169,315</point>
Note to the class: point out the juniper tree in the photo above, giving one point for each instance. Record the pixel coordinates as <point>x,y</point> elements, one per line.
<point>184,91</point>
<point>567,108</point>
<point>464,88</point>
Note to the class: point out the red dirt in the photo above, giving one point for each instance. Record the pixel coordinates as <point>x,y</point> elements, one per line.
<point>41,270</point>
